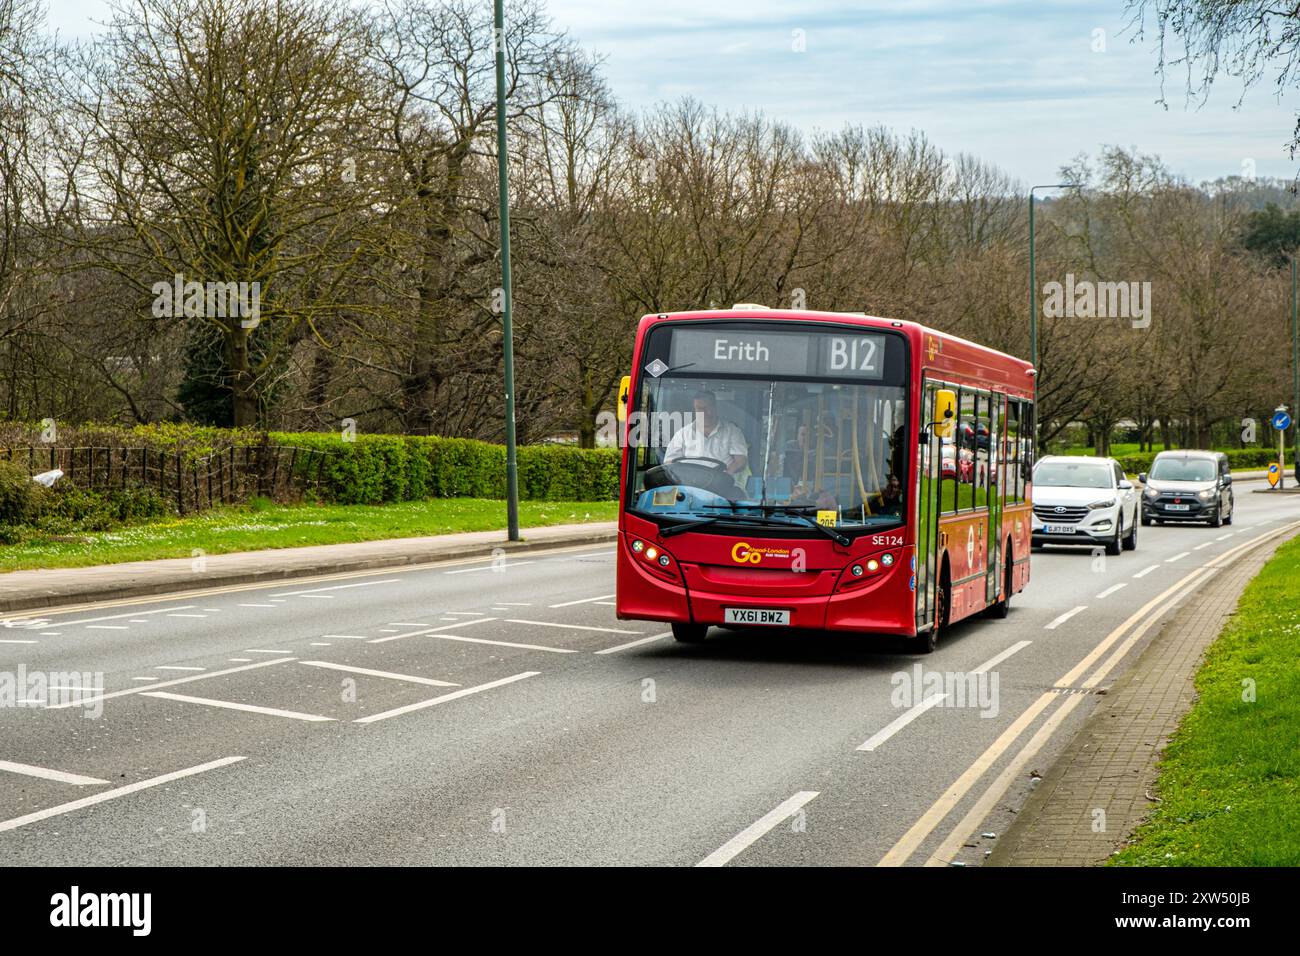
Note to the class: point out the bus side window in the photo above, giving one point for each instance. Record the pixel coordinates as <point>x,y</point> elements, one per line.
<point>1015,481</point>
<point>967,429</point>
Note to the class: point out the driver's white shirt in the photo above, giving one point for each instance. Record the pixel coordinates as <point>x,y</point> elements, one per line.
<point>691,442</point>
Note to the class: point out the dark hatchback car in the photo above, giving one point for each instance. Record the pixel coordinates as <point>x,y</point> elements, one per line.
<point>1188,486</point>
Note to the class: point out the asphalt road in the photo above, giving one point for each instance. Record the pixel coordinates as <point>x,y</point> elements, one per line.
<point>471,714</point>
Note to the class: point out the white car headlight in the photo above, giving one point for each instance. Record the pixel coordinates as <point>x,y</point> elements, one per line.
<point>1205,495</point>
<point>1107,503</point>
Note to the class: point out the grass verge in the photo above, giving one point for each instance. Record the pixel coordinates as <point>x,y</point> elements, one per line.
<point>1229,783</point>
<point>263,525</point>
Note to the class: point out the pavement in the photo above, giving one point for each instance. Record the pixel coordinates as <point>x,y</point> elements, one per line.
<point>45,588</point>
<point>1092,799</point>
<point>487,710</point>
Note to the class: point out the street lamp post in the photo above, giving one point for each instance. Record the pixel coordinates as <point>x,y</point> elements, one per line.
<point>507,334</point>
<point>1295,376</point>
<point>1033,282</point>
<point>1034,299</point>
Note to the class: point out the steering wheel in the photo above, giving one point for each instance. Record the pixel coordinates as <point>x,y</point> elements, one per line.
<point>699,470</point>
<point>690,459</point>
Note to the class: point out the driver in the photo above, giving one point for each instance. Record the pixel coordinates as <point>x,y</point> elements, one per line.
<point>710,437</point>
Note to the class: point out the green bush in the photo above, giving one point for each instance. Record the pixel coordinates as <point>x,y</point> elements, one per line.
<point>1239,459</point>
<point>69,509</point>
<point>20,497</point>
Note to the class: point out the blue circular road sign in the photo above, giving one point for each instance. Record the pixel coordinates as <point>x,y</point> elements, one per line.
<point>1281,421</point>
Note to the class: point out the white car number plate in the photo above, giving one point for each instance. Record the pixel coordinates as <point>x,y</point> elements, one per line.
<point>1178,507</point>
<point>1058,528</point>
<point>755,615</point>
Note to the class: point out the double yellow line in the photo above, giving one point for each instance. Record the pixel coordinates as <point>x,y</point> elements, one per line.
<point>1118,642</point>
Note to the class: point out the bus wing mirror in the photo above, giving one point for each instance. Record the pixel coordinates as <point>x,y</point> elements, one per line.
<point>945,412</point>
<point>624,393</point>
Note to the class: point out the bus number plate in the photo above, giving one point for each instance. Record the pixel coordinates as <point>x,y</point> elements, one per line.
<point>755,615</point>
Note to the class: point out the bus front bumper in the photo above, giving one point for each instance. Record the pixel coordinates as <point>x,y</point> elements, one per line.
<point>882,604</point>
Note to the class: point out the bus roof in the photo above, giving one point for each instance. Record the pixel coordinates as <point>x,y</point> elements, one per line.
<point>940,351</point>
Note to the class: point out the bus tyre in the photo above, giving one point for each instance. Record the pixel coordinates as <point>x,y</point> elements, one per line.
<point>926,642</point>
<point>1001,609</point>
<point>690,633</point>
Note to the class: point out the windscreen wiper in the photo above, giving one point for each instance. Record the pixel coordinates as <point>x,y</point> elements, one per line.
<point>842,540</point>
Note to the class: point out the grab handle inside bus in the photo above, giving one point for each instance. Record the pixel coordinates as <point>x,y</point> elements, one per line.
<point>624,393</point>
<point>945,412</point>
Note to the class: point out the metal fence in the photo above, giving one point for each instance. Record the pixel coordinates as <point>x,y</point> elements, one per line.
<point>231,476</point>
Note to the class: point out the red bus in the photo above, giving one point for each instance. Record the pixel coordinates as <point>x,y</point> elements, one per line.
<point>820,470</point>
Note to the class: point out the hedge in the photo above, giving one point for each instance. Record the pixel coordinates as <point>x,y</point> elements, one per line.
<point>370,469</point>
<point>1238,458</point>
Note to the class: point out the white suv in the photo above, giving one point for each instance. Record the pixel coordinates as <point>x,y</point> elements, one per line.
<point>1080,500</point>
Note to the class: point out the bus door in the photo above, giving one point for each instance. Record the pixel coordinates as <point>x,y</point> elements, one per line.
<point>996,485</point>
<point>929,465</point>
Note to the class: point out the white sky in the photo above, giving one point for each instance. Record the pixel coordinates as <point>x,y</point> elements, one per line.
<point>1015,82</point>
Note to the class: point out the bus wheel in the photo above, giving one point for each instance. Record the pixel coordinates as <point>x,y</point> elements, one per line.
<point>925,643</point>
<point>690,633</point>
<point>1002,608</point>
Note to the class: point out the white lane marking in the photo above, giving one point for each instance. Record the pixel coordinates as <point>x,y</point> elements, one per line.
<point>1112,589</point>
<point>118,617</point>
<point>187,615</point>
<point>901,721</point>
<point>454,695</point>
<point>108,627</point>
<point>599,597</point>
<point>144,678</point>
<point>113,794</point>
<point>7,641</point>
<point>1205,545</point>
<point>645,640</point>
<point>429,630</point>
<point>46,774</point>
<point>409,624</point>
<point>137,620</point>
<point>389,630</point>
<point>574,627</point>
<point>232,705</point>
<point>457,614</point>
<point>998,658</point>
<point>213,610</point>
<point>489,567</point>
<point>523,647</point>
<point>320,597</point>
<point>1145,571</point>
<point>409,678</point>
<point>50,633</point>
<point>239,660</point>
<point>346,637</point>
<point>748,836</point>
<point>1058,621</point>
<point>1224,537</point>
<point>169,683</point>
<point>608,603</point>
<point>320,644</point>
<point>177,667</point>
<point>263,650</point>
<point>1180,554</point>
<point>259,605</point>
<point>337,587</point>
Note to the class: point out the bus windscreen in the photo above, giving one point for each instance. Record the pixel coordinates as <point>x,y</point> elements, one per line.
<point>788,421</point>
